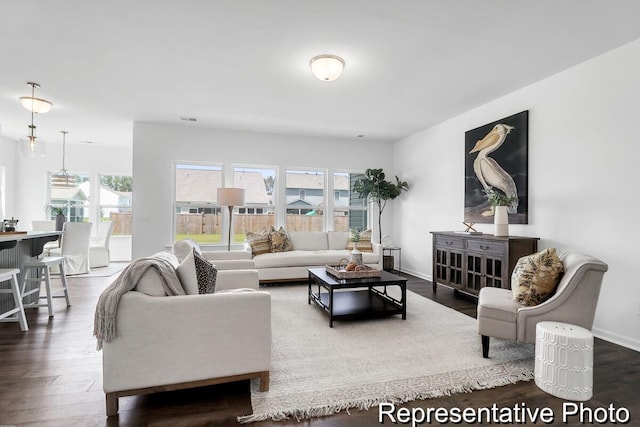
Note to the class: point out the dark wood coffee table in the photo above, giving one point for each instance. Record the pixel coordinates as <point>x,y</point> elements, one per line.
<point>356,298</point>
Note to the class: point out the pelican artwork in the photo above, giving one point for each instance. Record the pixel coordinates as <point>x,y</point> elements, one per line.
<point>488,171</point>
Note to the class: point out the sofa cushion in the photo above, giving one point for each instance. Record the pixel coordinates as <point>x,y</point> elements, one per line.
<point>206,274</point>
<point>187,274</point>
<point>364,244</point>
<point>279,240</point>
<point>259,242</point>
<point>307,258</point>
<point>535,277</point>
<point>338,239</point>
<point>309,240</point>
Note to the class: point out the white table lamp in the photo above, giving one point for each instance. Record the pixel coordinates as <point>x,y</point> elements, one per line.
<point>230,197</point>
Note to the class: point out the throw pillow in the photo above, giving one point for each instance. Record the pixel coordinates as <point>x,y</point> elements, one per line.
<point>279,240</point>
<point>187,273</point>
<point>364,244</point>
<point>259,242</point>
<point>535,277</point>
<point>206,274</point>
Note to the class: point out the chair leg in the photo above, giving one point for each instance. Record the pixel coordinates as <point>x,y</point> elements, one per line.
<point>63,277</point>
<point>47,280</point>
<point>17,298</point>
<point>485,346</point>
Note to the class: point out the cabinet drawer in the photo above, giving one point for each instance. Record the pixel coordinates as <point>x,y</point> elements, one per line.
<point>498,248</point>
<point>449,242</point>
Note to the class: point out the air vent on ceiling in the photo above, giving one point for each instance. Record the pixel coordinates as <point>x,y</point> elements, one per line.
<point>188,119</point>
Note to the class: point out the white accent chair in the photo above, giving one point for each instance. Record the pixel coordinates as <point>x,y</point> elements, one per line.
<point>574,302</point>
<point>74,247</point>
<point>99,255</point>
<point>168,343</point>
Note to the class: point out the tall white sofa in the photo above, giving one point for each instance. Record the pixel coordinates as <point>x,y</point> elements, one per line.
<point>173,342</point>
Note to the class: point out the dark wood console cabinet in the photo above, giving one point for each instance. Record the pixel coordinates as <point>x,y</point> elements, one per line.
<point>468,262</point>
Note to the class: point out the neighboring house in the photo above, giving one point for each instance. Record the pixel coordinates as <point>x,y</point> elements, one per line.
<point>76,197</point>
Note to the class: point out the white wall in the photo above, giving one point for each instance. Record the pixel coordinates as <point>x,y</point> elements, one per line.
<point>584,146</point>
<point>8,159</point>
<point>157,146</point>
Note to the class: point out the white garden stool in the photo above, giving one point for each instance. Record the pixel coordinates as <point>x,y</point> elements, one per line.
<point>11,275</point>
<point>40,270</point>
<point>564,360</point>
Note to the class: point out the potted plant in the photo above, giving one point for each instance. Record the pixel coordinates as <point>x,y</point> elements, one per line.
<point>375,188</point>
<point>58,211</point>
<point>500,203</point>
<point>355,235</point>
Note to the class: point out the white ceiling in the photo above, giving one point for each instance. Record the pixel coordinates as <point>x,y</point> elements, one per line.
<point>243,64</point>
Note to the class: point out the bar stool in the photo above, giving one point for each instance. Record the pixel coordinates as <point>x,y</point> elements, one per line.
<point>11,275</point>
<point>40,270</point>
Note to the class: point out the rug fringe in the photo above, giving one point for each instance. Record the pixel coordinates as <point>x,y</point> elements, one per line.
<point>326,410</point>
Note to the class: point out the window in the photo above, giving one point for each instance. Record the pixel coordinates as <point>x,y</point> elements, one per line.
<point>305,201</point>
<point>349,211</point>
<point>259,209</point>
<point>197,216</point>
<point>115,202</point>
<point>74,200</point>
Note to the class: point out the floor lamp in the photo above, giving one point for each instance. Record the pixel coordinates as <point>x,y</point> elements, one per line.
<point>230,197</point>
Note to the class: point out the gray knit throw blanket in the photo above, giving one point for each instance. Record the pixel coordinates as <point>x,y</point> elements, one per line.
<point>104,325</point>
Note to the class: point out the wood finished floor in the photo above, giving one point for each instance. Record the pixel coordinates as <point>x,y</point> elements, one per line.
<point>52,376</point>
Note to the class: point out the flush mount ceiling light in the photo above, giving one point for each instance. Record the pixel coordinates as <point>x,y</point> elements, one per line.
<point>327,67</point>
<point>33,104</point>
<point>62,178</point>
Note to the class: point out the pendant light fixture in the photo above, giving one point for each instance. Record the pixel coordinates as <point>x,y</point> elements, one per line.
<point>62,178</point>
<point>326,67</point>
<point>33,104</point>
<point>32,146</point>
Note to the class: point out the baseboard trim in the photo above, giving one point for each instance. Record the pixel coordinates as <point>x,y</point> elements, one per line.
<point>616,339</point>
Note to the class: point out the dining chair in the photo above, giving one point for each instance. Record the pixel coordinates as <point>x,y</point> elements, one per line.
<point>75,247</point>
<point>99,255</point>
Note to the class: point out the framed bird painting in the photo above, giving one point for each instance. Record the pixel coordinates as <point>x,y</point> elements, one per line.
<point>496,160</point>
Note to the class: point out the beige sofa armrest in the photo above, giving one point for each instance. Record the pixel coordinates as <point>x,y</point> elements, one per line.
<point>233,264</point>
<point>226,255</point>
<point>177,339</point>
<point>236,279</point>
<point>377,249</point>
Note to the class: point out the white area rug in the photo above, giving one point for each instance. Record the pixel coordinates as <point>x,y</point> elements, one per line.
<point>318,371</point>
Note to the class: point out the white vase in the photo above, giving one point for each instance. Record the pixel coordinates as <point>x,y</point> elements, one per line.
<point>356,255</point>
<point>501,221</point>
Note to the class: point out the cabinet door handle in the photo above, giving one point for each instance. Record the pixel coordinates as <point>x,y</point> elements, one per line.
<point>484,248</point>
<point>448,243</point>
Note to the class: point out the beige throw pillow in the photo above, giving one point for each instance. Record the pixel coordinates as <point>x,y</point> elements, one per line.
<point>259,242</point>
<point>535,277</point>
<point>279,240</point>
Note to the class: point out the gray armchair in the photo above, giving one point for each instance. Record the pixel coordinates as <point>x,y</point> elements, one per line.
<point>574,302</point>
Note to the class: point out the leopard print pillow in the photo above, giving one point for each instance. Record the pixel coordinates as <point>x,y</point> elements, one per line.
<point>535,277</point>
<point>206,274</point>
<point>279,240</point>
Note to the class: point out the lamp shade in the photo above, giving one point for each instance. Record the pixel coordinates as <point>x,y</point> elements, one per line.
<point>327,67</point>
<point>230,196</point>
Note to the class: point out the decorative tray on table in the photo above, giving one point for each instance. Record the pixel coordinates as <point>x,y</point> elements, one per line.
<point>360,271</point>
